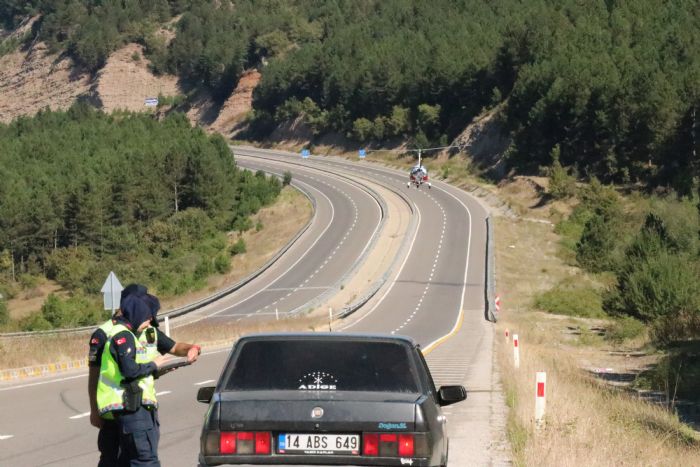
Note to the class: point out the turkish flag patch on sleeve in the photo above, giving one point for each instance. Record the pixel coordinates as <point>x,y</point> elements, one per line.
<point>95,340</point>
<point>121,340</point>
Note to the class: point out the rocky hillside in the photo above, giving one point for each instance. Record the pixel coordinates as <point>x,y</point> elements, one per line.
<point>33,78</point>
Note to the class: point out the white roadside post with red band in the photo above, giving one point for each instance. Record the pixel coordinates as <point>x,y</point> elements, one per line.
<point>516,351</point>
<point>540,397</point>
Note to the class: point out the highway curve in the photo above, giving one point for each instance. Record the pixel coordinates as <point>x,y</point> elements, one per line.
<point>435,295</point>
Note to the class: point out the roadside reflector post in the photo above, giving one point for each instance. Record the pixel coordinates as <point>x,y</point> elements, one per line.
<point>277,314</point>
<point>167,326</point>
<point>540,398</point>
<point>330,319</point>
<point>516,351</point>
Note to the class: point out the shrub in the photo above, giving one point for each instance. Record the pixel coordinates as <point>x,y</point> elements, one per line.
<point>568,299</point>
<point>561,184</point>
<point>222,264</point>
<point>77,310</point>
<point>258,226</point>
<point>34,322</point>
<point>287,178</point>
<point>654,280</point>
<point>4,313</point>
<point>203,269</point>
<point>624,328</point>
<point>238,248</point>
<point>362,129</point>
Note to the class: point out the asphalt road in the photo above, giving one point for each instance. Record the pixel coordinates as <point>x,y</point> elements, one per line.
<point>435,295</point>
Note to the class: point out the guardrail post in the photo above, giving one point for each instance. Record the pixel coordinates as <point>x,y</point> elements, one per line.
<point>540,398</point>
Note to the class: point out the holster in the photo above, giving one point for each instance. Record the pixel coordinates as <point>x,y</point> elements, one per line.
<point>132,396</point>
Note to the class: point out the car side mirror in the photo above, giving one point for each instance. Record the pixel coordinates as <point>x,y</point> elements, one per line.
<point>205,394</point>
<point>450,394</point>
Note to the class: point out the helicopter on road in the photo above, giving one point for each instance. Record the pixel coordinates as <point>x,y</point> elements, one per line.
<point>418,174</point>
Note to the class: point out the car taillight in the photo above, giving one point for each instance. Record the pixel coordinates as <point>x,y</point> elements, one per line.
<point>406,448</point>
<point>227,443</point>
<point>262,443</point>
<point>370,444</point>
<point>394,445</point>
<point>245,442</point>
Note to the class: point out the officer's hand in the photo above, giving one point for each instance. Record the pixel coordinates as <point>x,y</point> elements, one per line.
<point>193,353</point>
<point>96,420</point>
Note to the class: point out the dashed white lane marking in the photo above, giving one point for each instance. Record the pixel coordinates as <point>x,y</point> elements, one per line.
<point>75,417</point>
<point>162,393</point>
<point>3,437</point>
<point>201,383</point>
<point>432,272</point>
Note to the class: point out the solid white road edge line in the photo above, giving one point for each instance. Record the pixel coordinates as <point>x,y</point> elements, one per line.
<point>3,437</point>
<point>201,383</point>
<point>80,415</point>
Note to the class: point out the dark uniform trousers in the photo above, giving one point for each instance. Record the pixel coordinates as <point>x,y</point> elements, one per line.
<point>139,433</point>
<point>108,444</point>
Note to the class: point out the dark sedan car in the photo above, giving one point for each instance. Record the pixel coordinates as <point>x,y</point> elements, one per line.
<point>334,399</point>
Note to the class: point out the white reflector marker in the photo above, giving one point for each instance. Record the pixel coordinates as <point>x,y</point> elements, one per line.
<point>516,351</point>
<point>540,397</point>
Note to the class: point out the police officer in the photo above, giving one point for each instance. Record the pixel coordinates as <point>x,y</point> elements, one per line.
<point>126,390</point>
<point>108,436</point>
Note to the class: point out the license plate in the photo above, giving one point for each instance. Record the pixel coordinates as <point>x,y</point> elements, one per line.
<point>301,443</point>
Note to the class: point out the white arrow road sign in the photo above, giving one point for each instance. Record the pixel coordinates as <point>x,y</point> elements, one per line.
<point>112,290</point>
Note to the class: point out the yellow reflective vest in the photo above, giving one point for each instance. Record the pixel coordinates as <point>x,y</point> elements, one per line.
<point>109,390</point>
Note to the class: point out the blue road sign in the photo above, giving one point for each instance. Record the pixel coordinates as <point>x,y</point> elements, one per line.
<point>363,153</point>
<point>305,153</point>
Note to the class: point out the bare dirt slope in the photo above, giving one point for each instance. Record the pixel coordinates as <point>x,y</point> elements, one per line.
<point>239,104</point>
<point>485,140</point>
<point>125,81</point>
<point>33,79</point>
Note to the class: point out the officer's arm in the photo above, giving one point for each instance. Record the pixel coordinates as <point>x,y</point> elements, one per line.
<point>97,342</point>
<point>180,349</point>
<point>123,349</point>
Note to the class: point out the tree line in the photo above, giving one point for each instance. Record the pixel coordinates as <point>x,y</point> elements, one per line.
<point>84,193</point>
<point>614,84</point>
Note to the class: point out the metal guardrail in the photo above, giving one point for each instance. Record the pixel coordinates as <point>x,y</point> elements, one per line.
<point>199,303</point>
<point>335,288</point>
<point>353,307</point>
<point>490,292</point>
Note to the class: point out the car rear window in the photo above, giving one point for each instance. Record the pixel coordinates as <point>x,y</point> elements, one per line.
<point>316,365</point>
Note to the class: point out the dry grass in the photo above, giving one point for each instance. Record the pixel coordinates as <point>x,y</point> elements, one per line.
<point>587,421</point>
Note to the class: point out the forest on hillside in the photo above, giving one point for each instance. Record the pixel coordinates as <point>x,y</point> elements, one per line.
<point>614,84</point>
<point>84,193</point>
